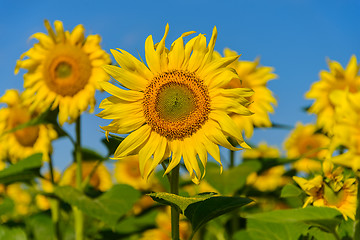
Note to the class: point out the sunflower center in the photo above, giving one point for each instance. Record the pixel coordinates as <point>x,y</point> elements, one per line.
<point>28,136</point>
<point>67,69</point>
<point>176,104</point>
<point>63,70</point>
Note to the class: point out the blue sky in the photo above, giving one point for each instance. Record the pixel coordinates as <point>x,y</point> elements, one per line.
<point>293,36</point>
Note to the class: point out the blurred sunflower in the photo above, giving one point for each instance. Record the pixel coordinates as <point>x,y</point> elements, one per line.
<point>63,70</point>
<point>46,185</point>
<point>22,199</point>
<point>256,77</point>
<point>337,78</point>
<point>24,142</point>
<point>346,128</point>
<point>127,171</point>
<point>268,180</point>
<point>331,190</point>
<point>177,104</point>
<point>100,179</point>
<point>271,178</point>
<point>163,230</point>
<point>308,145</point>
<point>261,151</point>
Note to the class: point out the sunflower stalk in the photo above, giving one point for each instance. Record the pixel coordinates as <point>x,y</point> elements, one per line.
<point>78,215</point>
<point>357,216</point>
<point>88,177</point>
<point>234,217</point>
<point>54,205</point>
<point>175,214</point>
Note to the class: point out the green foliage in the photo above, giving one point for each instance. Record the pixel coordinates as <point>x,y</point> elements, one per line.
<point>201,208</point>
<point>292,223</point>
<point>15,233</point>
<point>22,171</point>
<point>230,180</point>
<point>135,224</point>
<point>6,206</point>
<point>290,190</point>
<point>41,226</point>
<point>200,213</point>
<point>109,207</point>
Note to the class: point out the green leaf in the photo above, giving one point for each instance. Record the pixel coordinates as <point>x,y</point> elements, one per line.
<point>137,223</point>
<point>24,170</point>
<point>200,213</point>
<point>178,201</point>
<point>6,206</point>
<point>201,208</point>
<point>323,217</point>
<point>41,227</point>
<point>109,207</point>
<point>258,229</point>
<point>241,235</point>
<point>15,233</point>
<point>316,233</point>
<point>91,155</point>
<point>232,179</point>
<point>290,190</point>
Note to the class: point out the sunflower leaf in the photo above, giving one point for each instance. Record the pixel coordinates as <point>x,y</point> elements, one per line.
<point>22,171</point>
<point>290,190</point>
<point>109,207</point>
<point>137,224</point>
<point>7,205</point>
<point>177,201</point>
<point>324,218</point>
<point>41,226</point>
<point>14,233</point>
<point>202,212</point>
<point>201,208</point>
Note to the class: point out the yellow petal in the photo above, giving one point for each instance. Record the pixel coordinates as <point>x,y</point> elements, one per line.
<point>127,79</point>
<point>132,142</point>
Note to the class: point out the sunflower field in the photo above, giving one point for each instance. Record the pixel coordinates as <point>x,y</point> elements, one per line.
<point>177,118</point>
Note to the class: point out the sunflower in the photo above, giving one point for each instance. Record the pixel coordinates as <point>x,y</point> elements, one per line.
<point>42,201</point>
<point>127,172</point>
<point>176,106</point>
<point>268,180</point>
<point>261,151</point>
<point>337,78</point>
<point>27,141</point>
<point>256,77</point>
<point>100,179</point>
<point>21,197</point>
<point>305,143</point>
<point>63,71</point>
<point>346,128</point>
<point>271,178</point>
<point>331,190</point>
<point>163,230</point>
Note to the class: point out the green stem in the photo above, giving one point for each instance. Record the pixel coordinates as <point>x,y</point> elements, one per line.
<point>78,215</point>
<point>232,159</point>
<point>175,214</point>
<point>357,217</point>
<point>234,218</point>
<point>54,205</point>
